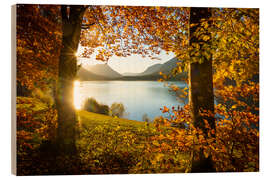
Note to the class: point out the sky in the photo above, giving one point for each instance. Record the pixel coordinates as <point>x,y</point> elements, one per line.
<point>130,64</point>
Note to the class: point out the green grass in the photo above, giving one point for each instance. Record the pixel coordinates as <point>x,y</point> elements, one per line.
<point>92,119</point>
<point>89,120</point>
<point>116,145</point>
<point>110,144</point>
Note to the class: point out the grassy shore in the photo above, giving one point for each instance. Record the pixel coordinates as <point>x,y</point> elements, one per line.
<point>110,144</point>
<point>91,120</point>
<point>115,145</point>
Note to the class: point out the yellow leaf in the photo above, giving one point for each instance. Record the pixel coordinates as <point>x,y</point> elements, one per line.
<point>156,143</point>
<point>205,38</point>
<point>159,156</point>
<point>206,154</point>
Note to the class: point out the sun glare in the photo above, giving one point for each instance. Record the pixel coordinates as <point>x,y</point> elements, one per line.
<point>77,54</point>
<point>77,96</point>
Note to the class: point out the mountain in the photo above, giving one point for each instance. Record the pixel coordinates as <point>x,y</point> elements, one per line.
<point>156,68</point>
<point>103,70</point>
<point>169,65</point>
<point>130,74</point>
<point>151,70</point>
<point>85,75</point>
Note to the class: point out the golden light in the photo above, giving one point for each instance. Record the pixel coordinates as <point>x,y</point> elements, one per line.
<point>77,95</point>
<point>76,54</point>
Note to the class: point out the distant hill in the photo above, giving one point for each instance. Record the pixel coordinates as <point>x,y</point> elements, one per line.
<point>155,69</point>
<point>169,65</point>
<point>130,74</point>
<point>85,75</point>
<point>152,72</point>
<point>103,70</point>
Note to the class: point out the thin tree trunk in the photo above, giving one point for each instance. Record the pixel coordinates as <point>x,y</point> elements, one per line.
<point>201,95</point>
<point>71,27</point>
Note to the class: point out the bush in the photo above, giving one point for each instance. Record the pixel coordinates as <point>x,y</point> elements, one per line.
<point>104,109</point>
<point>92,105</point>
<point>117,109</point>
<point>145,118</point>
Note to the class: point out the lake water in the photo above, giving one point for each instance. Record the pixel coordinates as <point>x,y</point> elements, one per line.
<point>138,97</point>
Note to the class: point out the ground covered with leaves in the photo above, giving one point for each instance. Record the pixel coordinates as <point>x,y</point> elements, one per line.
<point>115,145</point>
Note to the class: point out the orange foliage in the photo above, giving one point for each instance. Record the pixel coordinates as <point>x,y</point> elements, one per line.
<point>36,122</point>
<point>38,44</point>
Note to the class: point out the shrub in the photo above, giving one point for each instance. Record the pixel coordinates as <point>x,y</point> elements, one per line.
<point>117,109</point>
<point>92,105</point>
<point>104,109</point>
<point>145,118</point>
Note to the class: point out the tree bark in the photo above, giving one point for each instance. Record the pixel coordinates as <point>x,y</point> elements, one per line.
<point>71,28</point>
<point>201,96</point>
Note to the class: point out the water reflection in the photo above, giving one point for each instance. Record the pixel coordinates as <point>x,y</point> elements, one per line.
<point>138,97</point>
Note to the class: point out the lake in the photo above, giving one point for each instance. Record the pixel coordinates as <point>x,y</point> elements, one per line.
<point>138,97</point>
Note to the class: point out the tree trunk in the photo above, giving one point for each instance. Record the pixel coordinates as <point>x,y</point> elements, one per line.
<point>71,27</point>
<point>201,96</point>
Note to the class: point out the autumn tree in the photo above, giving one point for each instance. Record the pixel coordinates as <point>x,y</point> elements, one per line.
<point>71,30</point>
<point>234,53</point>
<point>37,70</point>
<point>36,78</point>
<point>47,40</point>
<point>201,96</point>
<point>37,63</point>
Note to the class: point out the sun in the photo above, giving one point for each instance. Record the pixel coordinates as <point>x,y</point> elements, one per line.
<point>77,54</point>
